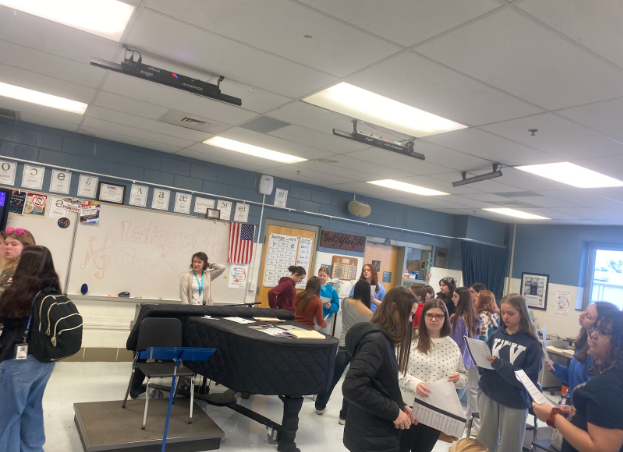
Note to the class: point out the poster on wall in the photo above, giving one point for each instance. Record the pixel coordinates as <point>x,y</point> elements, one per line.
<point>35,205</point>
<point>563,302</point>
<point>182,202</point>
<point>90,213</point>
<point>303,257</point>
<point>7,172</point>
<point>87,186</point>
<point>441,257</point>
<point>138,195</point>
<point>60,181</point>
<point>238,276</point>
<point>534,290</point>
<point>17,202</point>
<point>32,177</point>
<point>225,208</point>
<point>280,254</point>
<point>160,200</point>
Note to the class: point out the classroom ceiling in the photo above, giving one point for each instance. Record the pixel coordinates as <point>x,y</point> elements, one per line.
<point>500,67</point>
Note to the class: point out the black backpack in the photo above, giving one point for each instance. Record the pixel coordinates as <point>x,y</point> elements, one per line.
<point>56,330</point>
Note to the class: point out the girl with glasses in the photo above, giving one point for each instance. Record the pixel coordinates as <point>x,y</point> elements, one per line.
<point>434,356</point>
<point>595,422</point>
<point>578,370</point>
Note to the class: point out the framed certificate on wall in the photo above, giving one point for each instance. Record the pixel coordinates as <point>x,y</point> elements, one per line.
<point>534,289</point>
<point>108,192</point>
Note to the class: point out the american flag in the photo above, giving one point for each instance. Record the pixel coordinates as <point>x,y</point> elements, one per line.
<point>240,243</point>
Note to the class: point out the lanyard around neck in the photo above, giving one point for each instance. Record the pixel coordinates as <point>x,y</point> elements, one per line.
<point>199,282</point>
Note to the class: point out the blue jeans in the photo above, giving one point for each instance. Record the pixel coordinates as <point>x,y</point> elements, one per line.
<point>341,362</point>
<point>22,383</point>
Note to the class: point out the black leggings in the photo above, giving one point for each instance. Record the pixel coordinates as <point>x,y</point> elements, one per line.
<point>419,438</point>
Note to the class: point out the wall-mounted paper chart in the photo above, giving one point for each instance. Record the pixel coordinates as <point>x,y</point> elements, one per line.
<point>281,254</point>
<point>303,257</point>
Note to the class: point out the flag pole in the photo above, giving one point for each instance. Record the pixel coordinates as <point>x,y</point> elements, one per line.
<point>259,231</point>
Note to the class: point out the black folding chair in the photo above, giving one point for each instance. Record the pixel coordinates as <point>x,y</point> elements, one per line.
<point>159,332</point>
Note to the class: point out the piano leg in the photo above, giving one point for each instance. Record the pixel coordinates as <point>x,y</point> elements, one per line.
<point>290,423</point>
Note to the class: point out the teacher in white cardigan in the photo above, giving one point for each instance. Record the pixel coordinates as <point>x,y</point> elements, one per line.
<point>195,284</point>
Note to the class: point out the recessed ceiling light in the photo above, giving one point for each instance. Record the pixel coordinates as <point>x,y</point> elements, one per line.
<point>47,100</point>
<point>255,151</point>
<point>516,214</point>
<point>571,174</point>
<point>410,188</point>
<point>359,103</point>
<point>105,18</point>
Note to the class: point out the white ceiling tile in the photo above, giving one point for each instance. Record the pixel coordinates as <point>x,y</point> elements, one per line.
<point>312,117</point>
<point>219,155</point>
<point>49,65</point>
<point>604,117</point>
<point>417,81</point>
<point>590,198</point>
<point>595,25</point>
<point>556,136</point>
<point>465,202</point>
<point>318,140</point>
<point>585,212</point>
<point>486,197</point>
<point>373,168</point>
<point>149,125</point>
<point>165,96</point>
<point>120,138</point>
<point>253,99</point>
<point>491,147</point>
<point>296,172</point>
<point>550,213</point>
<point>449,158</point>
<point>523,180</point>
<point>208,157</point>
<point>531,62</point>
<point>40,111</point>
<point>129,131</point>
<point>610,166</point>
<point>404,21</point>
<point>222,56</point>
<point>435,183</point>
<point>51,37</point>
<point>490,186</point>
<point>45,84</point>
<point>48,122</point>
<point>128,105</point>
<point>335,174</point>
<point>335,48</point>
<point>543,201</point>
<point>400,163</point>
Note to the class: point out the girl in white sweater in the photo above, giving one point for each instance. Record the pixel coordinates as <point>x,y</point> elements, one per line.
<point>434,356</point>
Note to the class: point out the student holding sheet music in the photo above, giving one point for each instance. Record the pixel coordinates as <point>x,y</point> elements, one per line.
<point>434,356</point>
<point>502,399</point>
<point>578,371</point>
<point>595,422</point>
<point>328,291</point>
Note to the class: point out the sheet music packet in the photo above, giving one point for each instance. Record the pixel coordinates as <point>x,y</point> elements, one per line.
<point>534,392</point>
<point>547,358</point>
<point>442,410</point>
<point>479,350</point>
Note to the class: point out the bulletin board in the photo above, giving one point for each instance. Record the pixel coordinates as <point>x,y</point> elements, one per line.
<point>344,268</point>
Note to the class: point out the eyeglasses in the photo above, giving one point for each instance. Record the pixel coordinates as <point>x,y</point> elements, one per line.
<point>438,317</point>
<point>16,231</point>
<point>601,331</point>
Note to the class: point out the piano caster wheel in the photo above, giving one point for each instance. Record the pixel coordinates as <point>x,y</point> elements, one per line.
<point>273,435</point>
<point>245,395</point>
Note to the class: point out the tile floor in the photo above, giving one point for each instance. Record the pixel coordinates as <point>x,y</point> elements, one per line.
<point>89,382</point>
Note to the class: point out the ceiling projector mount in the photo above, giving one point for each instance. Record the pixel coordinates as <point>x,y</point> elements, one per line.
<point>165,77</point>
<point>470,180</point>
<point>380,142</point>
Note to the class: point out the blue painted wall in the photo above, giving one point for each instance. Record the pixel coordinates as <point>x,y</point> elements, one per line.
<point>67,149</point>
<point>559,251</point>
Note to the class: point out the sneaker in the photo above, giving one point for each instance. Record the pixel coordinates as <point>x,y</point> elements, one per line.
<point>341,421</point>
<point>320,412</point>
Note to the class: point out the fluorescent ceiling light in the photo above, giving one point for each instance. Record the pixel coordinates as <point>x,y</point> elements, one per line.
<point>517,214</point>
<point>255,151</point>
<point>571,174</point>
<point>403,186</point>
<point>105,18</point>
<point>361,104</point>
<point>47,100</point>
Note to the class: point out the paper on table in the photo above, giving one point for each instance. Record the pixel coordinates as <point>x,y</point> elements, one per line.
<point>239,320</point>
<point>269,319</point>
<point>479,351</point>
<point>306,334</point>
<point>442,409</point>
<point>547,358</point>
<point>534,392</point>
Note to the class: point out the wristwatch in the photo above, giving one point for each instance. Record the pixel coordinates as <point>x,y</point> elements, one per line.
<point>552,416</point>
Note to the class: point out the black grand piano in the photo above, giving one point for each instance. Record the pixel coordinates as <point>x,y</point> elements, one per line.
<point>251,362</point>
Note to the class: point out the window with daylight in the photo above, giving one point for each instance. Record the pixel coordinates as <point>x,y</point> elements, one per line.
<point>604,276</point>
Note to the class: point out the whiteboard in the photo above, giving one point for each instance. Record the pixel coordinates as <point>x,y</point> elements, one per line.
<point>145,253</point>
<point>46,232</point>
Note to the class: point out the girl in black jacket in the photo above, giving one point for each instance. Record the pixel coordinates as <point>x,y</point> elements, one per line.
<point>377,412</point>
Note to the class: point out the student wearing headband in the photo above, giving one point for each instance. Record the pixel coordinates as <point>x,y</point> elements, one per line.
<point>16,239</point>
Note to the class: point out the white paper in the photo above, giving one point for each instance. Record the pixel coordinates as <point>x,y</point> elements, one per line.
<point>563,302</point>
<point>303,257</point>
<point>56,208</point>
<point>32,177</point>
<point>7,172</point>
<point>547,358</point>
<point>138,195</point>
<point>160,200</point>
<point>281,254</point>
<point>111,193</point>
<point>445,408</point>
<point>225,209</point>
<point>534,392</point>
<point>60,181</point>
<point>182,202</point>
<point>242,212</point>
<point>281,197</point>
<point>87,186</point>
<point>373,291</point>
<point>239,320</point>
<point>203,204</point>
<point>238,274</point>
<point>479,351</point>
